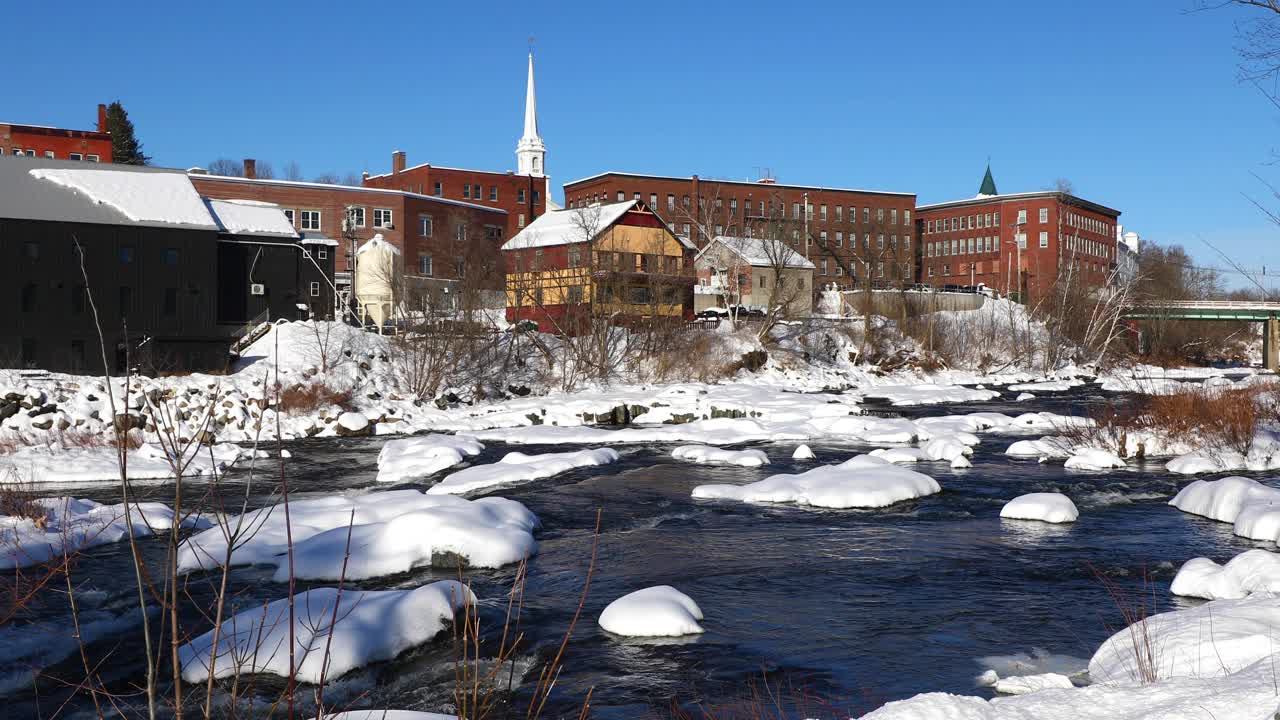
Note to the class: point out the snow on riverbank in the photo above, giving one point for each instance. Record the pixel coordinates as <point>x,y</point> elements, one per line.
<point>660,611</point>
<point>41,465</point>
<point>371,625</point>
<point>715,456</point>
<point>391,532</point>
<point>72,525</point>
<point>517,468</point>
<point>424,455</point>
<point>861,482</point>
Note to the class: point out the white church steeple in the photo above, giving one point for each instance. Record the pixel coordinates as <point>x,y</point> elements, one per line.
<point>531,153</point>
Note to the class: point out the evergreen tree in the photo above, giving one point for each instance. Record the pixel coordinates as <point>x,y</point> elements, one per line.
<point>125,148</point>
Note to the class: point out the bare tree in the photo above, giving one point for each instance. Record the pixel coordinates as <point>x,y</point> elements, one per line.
<point>1062,185</point>
<point>226,167</point>
<point>327,178</point>
<point>264,170</point>
<point>292,171</point>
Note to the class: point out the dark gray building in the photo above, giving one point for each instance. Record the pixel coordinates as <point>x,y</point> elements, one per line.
<point>172,279</point>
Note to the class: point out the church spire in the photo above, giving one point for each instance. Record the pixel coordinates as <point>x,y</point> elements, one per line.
<point>530,151</point>
<point>988,183</point>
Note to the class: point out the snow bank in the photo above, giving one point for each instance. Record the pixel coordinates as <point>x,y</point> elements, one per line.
<point>1049,507</point>
<point>391,532</point>
<point>97,465</point>
<point>714,456</point>
<point>660,611</point>
<point>863,482</point>
<point>517,467</point>
<point>74,525</point>
<point>1249,572</point>
<point>929,394</point>
<point>423,455</point>
<point>1215,639</point>
<point>1263,456</point>
<point>371,625</point>
<point>1224,499</point>
<point>1025,684</point>
<point>389,715</point>
<point>719,431</point>
<point>1094,459</point>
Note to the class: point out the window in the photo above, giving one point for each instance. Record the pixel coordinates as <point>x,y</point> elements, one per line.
<point>31,250</point>
<point>126,254</point>
<point>424,225</point>
<point>839,238</point>
<point>288,213</point>
<point>76,156</point>
<point>29,297</point>
<point>170,257</point>
<point>930,271</point>
<point>653,200</point>
<point>906,217</point>
<point>537,259</point>
<point>91,158</point>
<point>879,214</point>
<point>824,266</point>
<point>520,196</point>
<point>493,193</point>
<point>1044,215</point>
<point>355,217</point>
<point>520,220</point>
<point>48,154</point>
<point>424,265</point>
<point>822,213</point>
<point>671,202</point>
<point>621,196</point>
<point>866,214</point>
<point>460,232</point>
<point>575,257</point>
<point>575,294</point>
<point>1022,240</point>
<point>170,302</point>
<point>315,289</point>
<point>1044,237</point>
<point>310,219</point>
<point>893,216</point>
<point>839,213</point>
<point>795,213</point>
<point>31,153</point>
<point>995,218</point>
<point>1022,217</point>
<point>382,218</point>
<point>822,238</point>
<point>492,233</point>
<point>466,191</point>
<point>762,282</point>
<point>323,254</point>
<point>437,189</point>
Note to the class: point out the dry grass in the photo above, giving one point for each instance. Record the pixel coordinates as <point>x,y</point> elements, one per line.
<point>1136,609</point>
<point>307,398</point>
<point>81,439</point>
<point>18,499</point>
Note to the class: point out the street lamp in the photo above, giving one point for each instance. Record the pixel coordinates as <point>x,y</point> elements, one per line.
<point>1017,233</point>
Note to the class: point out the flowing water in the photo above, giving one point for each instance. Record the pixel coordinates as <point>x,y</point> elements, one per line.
<point>839,609</point>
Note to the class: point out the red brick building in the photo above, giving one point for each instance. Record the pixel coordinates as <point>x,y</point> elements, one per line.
<point>1018,243</point>
<point>849,235</point>
<point>58,143</point>
<point>522,197</point>
<point>522,194</point>
<point>439,239</point>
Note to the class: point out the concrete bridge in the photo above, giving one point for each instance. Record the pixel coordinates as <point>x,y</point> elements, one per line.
<point>1267,313</point>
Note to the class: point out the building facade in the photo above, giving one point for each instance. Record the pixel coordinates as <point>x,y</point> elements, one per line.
<point>755,273</point>
<point>1020,244</point>
<point>441,240</point>
<point>522,194</point>
<point>618,262</point>
<point>57,143</point>
<point>851,236</point>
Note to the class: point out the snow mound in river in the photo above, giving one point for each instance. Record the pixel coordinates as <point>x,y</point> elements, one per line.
<point>703,454</point>
<point>861,482</point>
<point>660,611</point>
<point>1249,572</point>
<point>517,467</point>
<point>1048,507</point>
<point>423,455</point>
<point>76,525</point>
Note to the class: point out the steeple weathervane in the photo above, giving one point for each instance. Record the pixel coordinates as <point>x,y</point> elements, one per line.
<point>530,151</point>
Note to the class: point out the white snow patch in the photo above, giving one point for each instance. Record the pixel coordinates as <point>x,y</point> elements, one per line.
<point>517,467</point>
<point>71,525</point>
<point>705,455</point>
<point>151,197</point>
<point>862,481</point>
<point>660,611</point>
<point>1094,459</point>
<point>423,455</point>
<point>1249,572</point>
<point>803,453</point>
<point>1025,684</point>
<point>1048,507</point>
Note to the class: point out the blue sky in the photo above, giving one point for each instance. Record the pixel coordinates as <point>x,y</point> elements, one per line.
<point>1136,102</point>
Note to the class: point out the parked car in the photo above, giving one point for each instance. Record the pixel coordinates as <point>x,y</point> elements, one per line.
<point>951,288</point>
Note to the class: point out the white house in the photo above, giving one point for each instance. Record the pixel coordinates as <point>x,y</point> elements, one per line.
<point>754,272</point>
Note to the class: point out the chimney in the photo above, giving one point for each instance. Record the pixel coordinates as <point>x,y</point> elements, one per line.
<point>102,118</point>
<point>397,162</point>
<point>364,177</point>
<point>250,168</point>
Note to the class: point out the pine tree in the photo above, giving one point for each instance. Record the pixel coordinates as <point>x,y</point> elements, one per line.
<point>125,148</point>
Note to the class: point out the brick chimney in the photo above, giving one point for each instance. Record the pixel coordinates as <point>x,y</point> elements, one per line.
<point>364,176</point>
<point>102,118</point>
<point>397,162</point>
<point>250,168</point>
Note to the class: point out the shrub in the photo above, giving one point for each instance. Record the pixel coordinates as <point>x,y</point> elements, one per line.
<point>18,499</point>
<point>306,398</point>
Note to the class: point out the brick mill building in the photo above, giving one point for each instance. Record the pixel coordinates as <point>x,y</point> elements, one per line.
<point>57,143</point>
<point>849,235</point>
<point>1018,243</point>
<point>523,194</point>
<point>618,261</point>
<point>440,240</point>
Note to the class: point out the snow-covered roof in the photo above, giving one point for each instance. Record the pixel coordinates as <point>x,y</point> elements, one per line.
<point>318,240</point>
<point>377,243</point>
<point>722,181</point>
<point>759,252</point>
<point>1066,197</point>
<point>348,188</point>
<point>251,217</point>
<point>565,227</point>
<point>150,198</point>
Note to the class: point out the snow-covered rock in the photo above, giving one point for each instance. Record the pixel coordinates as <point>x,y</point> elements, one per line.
<point>72,525</point>
<point>1022,397</point>
<point>803,453</point>
<point>353,424</point>
<point>706,455</point>
<point>517,467</point>
<point>423,455</point>
<point>1047,507</point>
<point>1249,572</point>
<point>370,625</point>
<point>1224,499</point>
<point>1024,684</point>
<point>863,481</point>
<point>1047,447</point>
<point>660,611</point>
<point>1094,459</point>
<point>391,532</point>
<point>929,394</point>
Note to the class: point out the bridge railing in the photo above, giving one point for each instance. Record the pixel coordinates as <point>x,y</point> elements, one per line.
<point>1209,305</point>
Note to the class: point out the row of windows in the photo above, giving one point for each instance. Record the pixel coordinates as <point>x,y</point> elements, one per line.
<point>866,240</point>
<point>1078,244</point>
<point>49,154</point>
<point>1084,222</point>
<point>972,222</point>
<point>823,213</point>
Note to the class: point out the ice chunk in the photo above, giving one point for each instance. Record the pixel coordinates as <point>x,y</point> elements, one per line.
<point>423,455</point>
<point>1094,459</point>
<point>1049,507</point>
<point>517,467</point>
<point>370,625</point>
<point>1025,684</point>
<point>863,481</point>
<point>660,611</point>
<point>803,453</point>
<point>703,454</point>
